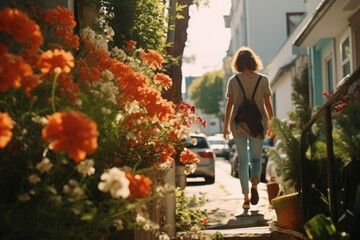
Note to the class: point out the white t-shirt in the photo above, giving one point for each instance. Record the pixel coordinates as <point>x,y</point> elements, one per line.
<point>248,83</point>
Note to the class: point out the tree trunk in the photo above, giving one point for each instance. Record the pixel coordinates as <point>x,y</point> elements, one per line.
<point>177,50</point>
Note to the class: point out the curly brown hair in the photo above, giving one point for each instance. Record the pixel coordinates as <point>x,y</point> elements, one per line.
<point>245,58</point>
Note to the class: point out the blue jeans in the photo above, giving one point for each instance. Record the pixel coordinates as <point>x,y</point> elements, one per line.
<point>248,148</point>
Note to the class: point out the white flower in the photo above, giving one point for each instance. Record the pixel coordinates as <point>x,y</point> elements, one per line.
<point>24,197</point>
<point>119,54</point>
<point>119,117</point>
<point>73,189</point>
<point>190,168</point>
<point>24,131</point>
<point>132,107</point>
<point>39,120</point>
<point>110,32</point>
<point>107,75</point>
<point>34,178</point>
<point>44,166</point>
<point>110,90</point>
<point>86,167</point>
<point>76,211</point>
<point>78,102</point>
<point>118,223</point>
<point>166,189</point>
<point>115,182</point>
<point>165,165</point>
<point>88,33</point>
<point>184,132</point>
<point>131,136</point>
<point>194,228</point>
<point>140,219</point>
<point>105,111</point>
<point>100,44</point>
<point>146,223</point>
<point>52,190</point>
<point>164,236</point>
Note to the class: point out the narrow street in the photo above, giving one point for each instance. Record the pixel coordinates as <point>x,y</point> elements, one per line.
<point>224,205</point>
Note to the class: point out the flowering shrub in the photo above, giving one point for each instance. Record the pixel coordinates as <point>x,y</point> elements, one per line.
<point>84,130</point>
<point>351,96</point>
<point>190,215</point>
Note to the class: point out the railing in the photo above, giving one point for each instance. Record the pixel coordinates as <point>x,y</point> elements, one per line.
<point>325,111</point>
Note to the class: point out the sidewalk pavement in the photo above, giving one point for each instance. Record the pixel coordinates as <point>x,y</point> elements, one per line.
<point>225,213</point>
<point>258,223</point>
<point>227,216</point>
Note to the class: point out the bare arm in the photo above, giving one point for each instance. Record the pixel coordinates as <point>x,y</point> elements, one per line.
<point>270,113</point>
<point>228,110</point>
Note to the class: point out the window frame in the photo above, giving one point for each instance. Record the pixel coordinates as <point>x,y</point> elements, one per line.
<point>329,86</point>
<point>348,60</point>
<point>289,30</point>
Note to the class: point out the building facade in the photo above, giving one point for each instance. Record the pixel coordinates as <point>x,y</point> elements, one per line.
<point>264,26</point>
<point>332,37</point>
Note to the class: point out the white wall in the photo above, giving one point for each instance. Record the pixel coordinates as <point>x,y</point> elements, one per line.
<point>267,25</point>
<point>283,90</point>
<point>282,86</point>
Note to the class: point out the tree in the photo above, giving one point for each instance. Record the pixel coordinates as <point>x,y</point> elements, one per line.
<point>176,49</point>
<point>206,92</point>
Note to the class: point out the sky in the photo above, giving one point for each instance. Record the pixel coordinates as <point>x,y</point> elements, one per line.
<point>208,39</point>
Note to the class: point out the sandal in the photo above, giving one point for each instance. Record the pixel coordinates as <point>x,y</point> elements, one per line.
<point>246,205</point>
<point>254,196</point>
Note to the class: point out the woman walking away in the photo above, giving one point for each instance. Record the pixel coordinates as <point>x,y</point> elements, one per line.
<point>250,85</point>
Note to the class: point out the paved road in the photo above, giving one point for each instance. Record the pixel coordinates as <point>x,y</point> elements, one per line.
<point>224,206</point>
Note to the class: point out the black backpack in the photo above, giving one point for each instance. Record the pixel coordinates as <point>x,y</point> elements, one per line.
<point>249,113</point>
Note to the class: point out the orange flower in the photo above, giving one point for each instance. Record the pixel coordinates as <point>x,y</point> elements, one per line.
<point>49,60</point>
<point>5,129</point>
<point>68,88</point>
<point>204,221</point>
<point>155,104</point>
<point>188,157</point>
<point>166,152</point>
<point>152,58</point>
<point>59,15</point>
<point>29,83</point>
<point>140,185</point>
<point>14,70</point>
<point>71,131</point>
<point>21,27</point>
<point>164,79</point>
<point>129,45</point>
<point>67,36</point>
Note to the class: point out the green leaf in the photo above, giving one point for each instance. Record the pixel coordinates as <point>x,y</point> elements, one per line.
<point>321,228</point>
<point>217,236</point>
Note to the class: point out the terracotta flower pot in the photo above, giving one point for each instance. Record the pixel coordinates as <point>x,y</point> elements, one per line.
<point>289,211</point>
<point>272,190</point>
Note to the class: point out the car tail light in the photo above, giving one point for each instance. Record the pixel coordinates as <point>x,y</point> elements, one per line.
<point>207,154</point>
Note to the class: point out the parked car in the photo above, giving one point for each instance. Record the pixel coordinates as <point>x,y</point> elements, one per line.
<point>220,146</point>
<point>199,144</point>
<point>234,161</point>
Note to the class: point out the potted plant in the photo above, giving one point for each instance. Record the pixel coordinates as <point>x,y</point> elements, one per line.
<point>287,158</point>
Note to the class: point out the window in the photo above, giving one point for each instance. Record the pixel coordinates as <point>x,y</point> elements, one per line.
<point>196,142</point>
<point>345,53</point>
<point>292,20</point>
<point>329,73</point>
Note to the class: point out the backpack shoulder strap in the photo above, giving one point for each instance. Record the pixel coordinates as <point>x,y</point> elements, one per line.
<point>257,84</point>
<point>242,88</point>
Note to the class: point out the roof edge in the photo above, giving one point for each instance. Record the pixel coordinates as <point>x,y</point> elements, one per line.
<point>323,7</point>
